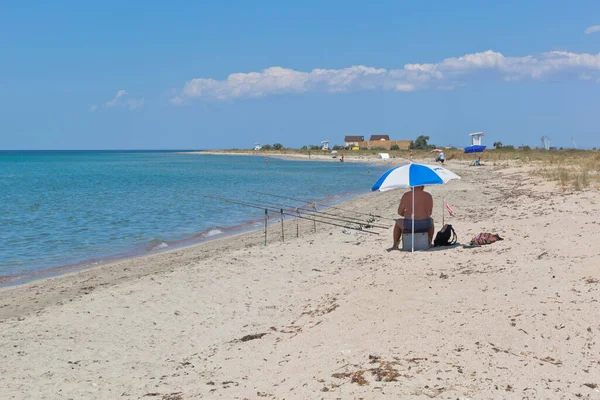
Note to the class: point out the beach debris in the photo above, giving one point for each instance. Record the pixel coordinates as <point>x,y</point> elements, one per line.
<point>443,275</point>
<point>355,377</point>
<point>385,371</point>
<point>550,360</point>
<point>430,392</point>
<point>169,396</point>
<point>591,385</point>
<point>591,280</point>
<point>326,307</point>
<point>251,337</point>
<point>416,360</point>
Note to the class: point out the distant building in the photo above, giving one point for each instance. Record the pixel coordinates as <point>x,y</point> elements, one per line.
<point>350,141</point>
<point>376,142</point>
<point>379,137</point>
<point>385,144</point>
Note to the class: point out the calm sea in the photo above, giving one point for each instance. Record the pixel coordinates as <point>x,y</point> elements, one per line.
<point>69,208</point>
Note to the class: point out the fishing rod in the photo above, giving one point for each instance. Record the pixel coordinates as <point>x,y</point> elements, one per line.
<point>361,223</point>
<point>323,205</point>
<point>333,217</point>
<point>368,224</point>
<point>280,211</point>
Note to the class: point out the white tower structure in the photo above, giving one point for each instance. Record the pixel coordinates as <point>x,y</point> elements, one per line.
<point>476,138</point>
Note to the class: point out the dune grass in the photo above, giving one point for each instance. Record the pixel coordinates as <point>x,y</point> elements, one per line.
<point>572,169</point>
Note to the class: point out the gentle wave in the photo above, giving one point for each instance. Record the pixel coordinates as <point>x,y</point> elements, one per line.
<point>160,246</point>
<point>212,232</point>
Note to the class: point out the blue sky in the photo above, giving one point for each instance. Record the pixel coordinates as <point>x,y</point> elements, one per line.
<point>152,75</point>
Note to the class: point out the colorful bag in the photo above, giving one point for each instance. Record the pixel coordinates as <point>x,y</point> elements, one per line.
<point>484,238</point>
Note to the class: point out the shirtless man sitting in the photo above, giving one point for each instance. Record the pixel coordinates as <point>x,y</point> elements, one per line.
<point>423,211</point>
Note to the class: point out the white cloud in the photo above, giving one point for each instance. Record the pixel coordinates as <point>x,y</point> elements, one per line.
<point>121,99</point>
<point>447,74</point>
<point>592,29</point>
<point>117,99</point>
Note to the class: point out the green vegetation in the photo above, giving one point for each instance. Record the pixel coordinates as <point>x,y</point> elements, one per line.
<point>420,143</point>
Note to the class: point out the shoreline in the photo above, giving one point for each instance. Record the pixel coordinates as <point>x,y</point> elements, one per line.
<point>319,156</point>
<point>247,226</point>
<point>103,272</point>
<point>197,239</point>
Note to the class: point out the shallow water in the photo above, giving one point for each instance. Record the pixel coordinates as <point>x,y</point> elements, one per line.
<point>65,208</point>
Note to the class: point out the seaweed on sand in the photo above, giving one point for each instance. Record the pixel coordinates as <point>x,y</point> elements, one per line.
<point>385,372</point>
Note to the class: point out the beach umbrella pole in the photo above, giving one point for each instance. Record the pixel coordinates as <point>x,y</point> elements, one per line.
<point>413,220</point>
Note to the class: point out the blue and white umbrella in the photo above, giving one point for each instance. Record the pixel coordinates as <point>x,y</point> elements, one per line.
<point>411,176</point>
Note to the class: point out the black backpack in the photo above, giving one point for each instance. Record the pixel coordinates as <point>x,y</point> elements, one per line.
<point>445,237</point>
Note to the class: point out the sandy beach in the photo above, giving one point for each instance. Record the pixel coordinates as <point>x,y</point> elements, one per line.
<point>332,314</point>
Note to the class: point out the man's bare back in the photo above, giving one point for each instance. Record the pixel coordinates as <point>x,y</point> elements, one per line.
<point>423,204</point>
<point>423,211</point>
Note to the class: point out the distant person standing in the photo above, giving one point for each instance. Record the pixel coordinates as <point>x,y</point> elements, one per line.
<point>441,158</point>
<point>410,155</point>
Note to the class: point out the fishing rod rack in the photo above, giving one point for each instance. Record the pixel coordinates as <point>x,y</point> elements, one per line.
<point>307,213</point>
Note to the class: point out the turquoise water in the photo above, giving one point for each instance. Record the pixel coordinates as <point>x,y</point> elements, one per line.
<point>66,208</point>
